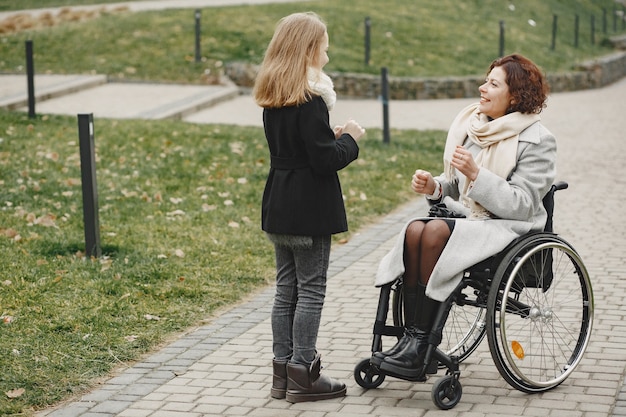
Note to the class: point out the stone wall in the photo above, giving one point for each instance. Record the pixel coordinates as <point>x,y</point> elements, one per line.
<point>590,74</point>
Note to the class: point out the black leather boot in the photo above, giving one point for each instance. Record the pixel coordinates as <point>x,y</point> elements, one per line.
<point>305,383</point>
<point>279,379</point>
<point>409,307</point>
<point>409,363</point>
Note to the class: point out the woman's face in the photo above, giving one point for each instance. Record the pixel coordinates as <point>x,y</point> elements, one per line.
<point>494,94</point>
<point>322,57</point>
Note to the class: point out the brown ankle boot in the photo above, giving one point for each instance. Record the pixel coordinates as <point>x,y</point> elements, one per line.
<point>305,383</point>
<point>279,379</point>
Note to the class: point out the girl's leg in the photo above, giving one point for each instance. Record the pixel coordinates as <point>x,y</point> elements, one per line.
<point>304,381</point>
<point>311,269</point>
<point>284,303</point>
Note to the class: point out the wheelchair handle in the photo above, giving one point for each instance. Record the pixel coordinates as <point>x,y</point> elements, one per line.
<point>561,185</point>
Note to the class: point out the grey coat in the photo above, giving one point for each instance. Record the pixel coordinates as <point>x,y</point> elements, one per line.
<point>516,202</point>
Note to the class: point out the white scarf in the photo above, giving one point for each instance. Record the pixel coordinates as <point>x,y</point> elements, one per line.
<point>322,85</point>
<point>497,138</point>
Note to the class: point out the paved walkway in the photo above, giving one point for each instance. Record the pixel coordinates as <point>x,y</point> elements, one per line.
<point>224,367</point>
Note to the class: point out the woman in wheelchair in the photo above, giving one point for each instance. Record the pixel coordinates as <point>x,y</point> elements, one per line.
<point>499,162</point>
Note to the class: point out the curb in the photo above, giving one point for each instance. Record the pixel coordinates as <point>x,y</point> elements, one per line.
<point>53,86</point>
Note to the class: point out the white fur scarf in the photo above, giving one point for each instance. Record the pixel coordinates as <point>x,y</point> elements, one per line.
<point>322,85</point>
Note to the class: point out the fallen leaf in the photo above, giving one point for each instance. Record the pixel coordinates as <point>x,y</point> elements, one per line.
<point>179,253</point>
<point>151,317</point>
<point>15,393</point>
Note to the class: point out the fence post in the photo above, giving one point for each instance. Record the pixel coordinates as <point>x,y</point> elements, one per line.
<point>576,25</point>
<point>30,78</point>
<point>197,16</point>
<point>368,24</point>
<point>554,26</point>
<point>501,51</point>
<point>90,189</point>
<point>385,98</point>
<point>593,29</point>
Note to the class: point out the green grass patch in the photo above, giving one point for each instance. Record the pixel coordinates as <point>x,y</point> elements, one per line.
<point>180,230</point>
<point>6,5</point>
<point>426,38</point>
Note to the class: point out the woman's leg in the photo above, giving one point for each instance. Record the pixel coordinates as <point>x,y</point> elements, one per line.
<point>424,243</point>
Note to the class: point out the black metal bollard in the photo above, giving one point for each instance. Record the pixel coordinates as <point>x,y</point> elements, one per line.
<point>554,27</point>
<point>385,99</point>
<point>501,51</point>
<point>593,29</point>
<point>30,78</point>
<point>368,25</point>
<point>198,54</point>
<point>576,26</point>
<point>90,189</point>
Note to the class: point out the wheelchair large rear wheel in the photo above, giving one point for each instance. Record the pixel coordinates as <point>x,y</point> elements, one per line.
<point>464,329</point>
<point>540,313</point>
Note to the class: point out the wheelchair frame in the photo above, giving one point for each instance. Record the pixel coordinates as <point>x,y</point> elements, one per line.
<point>534,302</point>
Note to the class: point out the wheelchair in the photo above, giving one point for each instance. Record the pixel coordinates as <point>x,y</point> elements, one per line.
<point>533,301</point>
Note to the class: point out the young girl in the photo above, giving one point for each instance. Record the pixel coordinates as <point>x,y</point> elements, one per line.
<point>302,202</point>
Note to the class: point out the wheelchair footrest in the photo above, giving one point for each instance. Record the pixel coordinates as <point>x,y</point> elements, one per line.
<point>384,330</point>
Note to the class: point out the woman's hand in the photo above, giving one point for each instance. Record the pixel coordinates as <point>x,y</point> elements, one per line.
<point>463,161</point>
<point>423,182</point>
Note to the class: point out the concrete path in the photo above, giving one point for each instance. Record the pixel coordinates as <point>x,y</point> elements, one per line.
<point>224,367</point>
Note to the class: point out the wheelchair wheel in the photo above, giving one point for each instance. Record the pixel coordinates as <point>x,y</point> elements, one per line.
<point>540,313</point>
<point>446,392</point>
<point>464,328</point>
<point>367,375</point>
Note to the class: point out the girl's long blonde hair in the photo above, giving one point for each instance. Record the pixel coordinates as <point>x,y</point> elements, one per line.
<point>282,78</point>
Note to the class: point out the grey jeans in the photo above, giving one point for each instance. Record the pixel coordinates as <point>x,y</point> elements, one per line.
<point>300,292</point>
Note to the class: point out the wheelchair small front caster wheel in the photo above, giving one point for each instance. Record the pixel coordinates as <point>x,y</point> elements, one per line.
<point>367,375</point>
<point>447,392</point>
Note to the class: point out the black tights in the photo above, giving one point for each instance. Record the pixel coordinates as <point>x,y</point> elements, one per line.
<point>423,243</point>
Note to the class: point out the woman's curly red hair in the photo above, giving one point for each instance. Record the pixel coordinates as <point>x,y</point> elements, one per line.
<point>527,84</point>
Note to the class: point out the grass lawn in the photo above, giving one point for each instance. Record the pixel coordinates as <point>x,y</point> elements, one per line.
<point>179,220</point>
<point>40,4</point>
<point>426,38</point>
<point>179,202</point>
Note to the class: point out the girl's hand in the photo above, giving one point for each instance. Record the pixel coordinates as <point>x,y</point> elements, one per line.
<point>353,129</point>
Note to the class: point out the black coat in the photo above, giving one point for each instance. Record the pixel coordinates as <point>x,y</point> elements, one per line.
<point>302,195</point>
